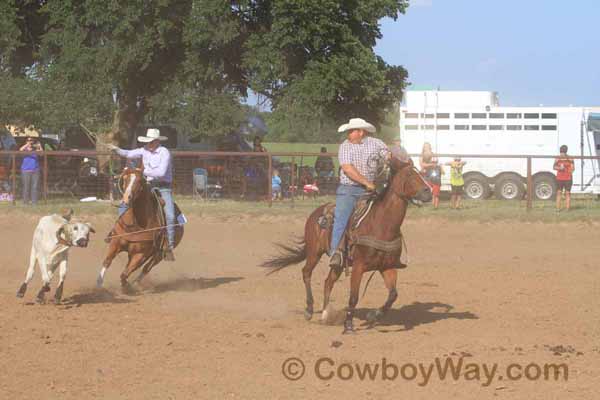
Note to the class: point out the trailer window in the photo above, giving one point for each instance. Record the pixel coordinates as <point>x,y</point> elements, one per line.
<point>513,115</point>
<point>548,127</point>
<point>411,115</point>
<point>479,127</point>
<point>426,115</point>
<point>548,115</point>
<point>496,127</point>
<point>514,127</point>
<point>443,115</point>
<point>532,127</point>
<point>461,127</point>
<point>479,115</point>
<point>497,115</point>
<point>411,127</point>
<point>532,115</point>
<point>443,127</point>
<point>461,115</point>
<point>427,127</point>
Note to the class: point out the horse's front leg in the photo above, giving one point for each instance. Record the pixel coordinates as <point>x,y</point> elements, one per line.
<point>113,249</point>
<point>357,272</point>
<point>389,278</point>
<point>135,261</point>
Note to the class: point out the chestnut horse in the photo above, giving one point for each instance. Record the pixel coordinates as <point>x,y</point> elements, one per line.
<point>381,252</point>
<point>139,230</point>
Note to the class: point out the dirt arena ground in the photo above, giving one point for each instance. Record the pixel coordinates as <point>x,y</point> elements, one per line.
<point>212,326</point>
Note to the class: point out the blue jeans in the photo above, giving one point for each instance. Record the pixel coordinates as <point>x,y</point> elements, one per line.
<point>30,182</point>
<point>167,196</point>
<point>345,199</point>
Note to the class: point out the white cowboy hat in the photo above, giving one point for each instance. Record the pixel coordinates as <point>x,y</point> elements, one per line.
<point>357,123</point>
<point>151,134</point>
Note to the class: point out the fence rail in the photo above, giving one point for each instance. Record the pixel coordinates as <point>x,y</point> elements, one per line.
<point>247,175</point>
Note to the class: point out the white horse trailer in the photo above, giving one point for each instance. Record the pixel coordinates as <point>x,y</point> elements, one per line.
<point>474,123</point>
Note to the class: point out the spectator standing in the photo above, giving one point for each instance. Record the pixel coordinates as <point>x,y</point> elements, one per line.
<point>432,172</point>
<point>30,171</point>
<point>564,167</point>
<point>324,166</point>
<point>456,181</point>
<point>398,151</point>
<point>257,145</point>
<point>276,185</point>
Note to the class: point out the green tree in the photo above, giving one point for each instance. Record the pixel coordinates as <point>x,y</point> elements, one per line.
<point>193,60</point>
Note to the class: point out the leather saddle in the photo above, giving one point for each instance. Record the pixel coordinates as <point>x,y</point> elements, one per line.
<point>392,250</point>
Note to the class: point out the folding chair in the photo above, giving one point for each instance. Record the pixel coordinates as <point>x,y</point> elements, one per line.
<point>202,188</point>
<point>200,183</point>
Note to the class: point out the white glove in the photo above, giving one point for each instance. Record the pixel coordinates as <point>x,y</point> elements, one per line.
<point>112,147</point>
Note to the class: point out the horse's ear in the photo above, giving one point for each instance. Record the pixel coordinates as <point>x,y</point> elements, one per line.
<point>398,164</point>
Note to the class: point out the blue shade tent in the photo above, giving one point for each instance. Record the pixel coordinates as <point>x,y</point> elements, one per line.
<point>594,122</point>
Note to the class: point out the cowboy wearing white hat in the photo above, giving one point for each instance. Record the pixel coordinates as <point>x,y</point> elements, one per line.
<point>158,173</point>
<point>356,176</point>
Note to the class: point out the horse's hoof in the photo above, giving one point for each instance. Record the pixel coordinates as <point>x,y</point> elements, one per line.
<point>40,299</point>
<point>22,290</point>
<point>308,315</point>
<point>126,288</point>
<point>348,328</point>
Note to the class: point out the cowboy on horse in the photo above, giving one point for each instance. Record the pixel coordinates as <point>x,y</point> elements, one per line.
<point>358,172</point>
<point>158,173</point>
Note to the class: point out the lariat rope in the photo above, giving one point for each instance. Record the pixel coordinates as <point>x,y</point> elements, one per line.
<point>143,230</point>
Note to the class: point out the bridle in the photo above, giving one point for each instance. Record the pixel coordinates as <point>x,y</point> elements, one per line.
<point>401,195</point>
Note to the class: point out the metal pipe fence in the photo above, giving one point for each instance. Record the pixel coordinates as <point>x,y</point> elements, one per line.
<point>214,175</point>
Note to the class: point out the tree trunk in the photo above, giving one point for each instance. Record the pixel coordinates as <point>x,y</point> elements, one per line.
<point>127,117</point>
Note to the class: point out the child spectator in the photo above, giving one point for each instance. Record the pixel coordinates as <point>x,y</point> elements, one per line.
<point>456,181</point>
<point>276,185</point>
<point>564,167</point>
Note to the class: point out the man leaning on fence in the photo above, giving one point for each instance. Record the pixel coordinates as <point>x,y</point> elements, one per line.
<point>358,170</point>
<point>158,172</point>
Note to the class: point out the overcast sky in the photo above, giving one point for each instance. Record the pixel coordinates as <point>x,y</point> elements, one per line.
<point>531,52</point>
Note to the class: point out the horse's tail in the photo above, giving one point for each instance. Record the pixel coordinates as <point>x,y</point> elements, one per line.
<point>291,255</point>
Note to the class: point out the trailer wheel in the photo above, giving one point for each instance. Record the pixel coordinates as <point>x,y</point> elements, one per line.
<point>476,187</point>
<point>509,188</point>
<point>544,187</point>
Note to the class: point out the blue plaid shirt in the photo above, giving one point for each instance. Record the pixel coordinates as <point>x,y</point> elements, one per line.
<point>363,156</point>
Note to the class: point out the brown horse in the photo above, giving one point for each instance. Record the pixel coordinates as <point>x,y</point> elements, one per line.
<point>138,231</point>
<point>376,242</point>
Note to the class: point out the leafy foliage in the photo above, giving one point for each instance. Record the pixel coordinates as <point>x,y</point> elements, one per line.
<point>190,62</point>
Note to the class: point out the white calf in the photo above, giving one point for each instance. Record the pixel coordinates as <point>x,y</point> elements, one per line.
<point>53,237</point>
